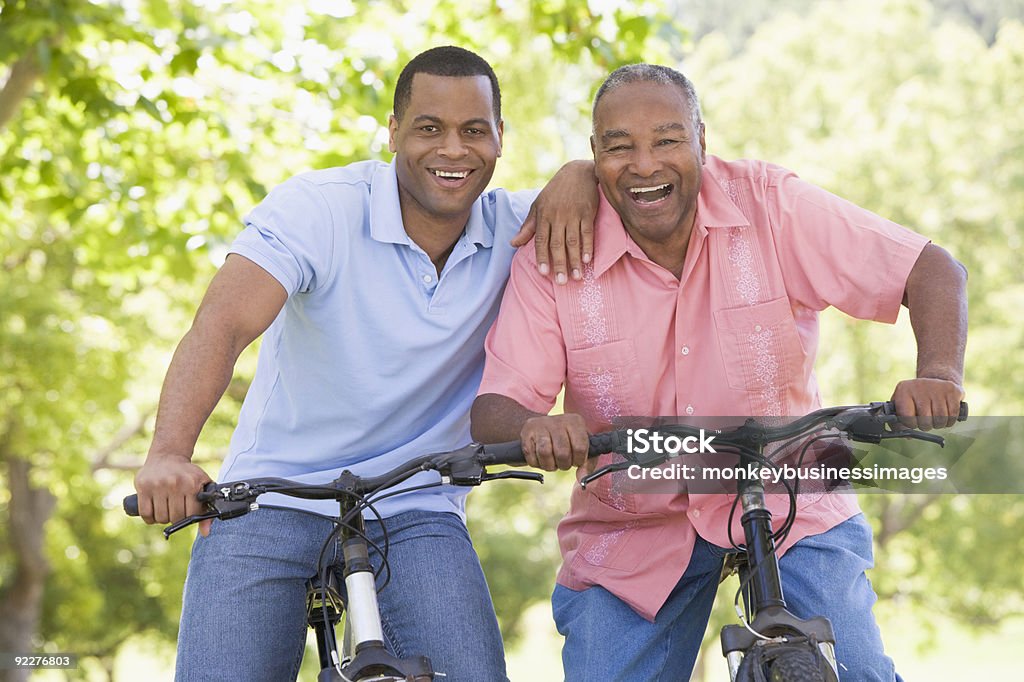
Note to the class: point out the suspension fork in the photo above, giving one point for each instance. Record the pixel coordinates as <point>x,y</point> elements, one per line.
<point>765,582</point>
<point>363,624</point>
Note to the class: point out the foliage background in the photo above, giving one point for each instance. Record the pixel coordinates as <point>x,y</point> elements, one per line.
<point>135,133</point>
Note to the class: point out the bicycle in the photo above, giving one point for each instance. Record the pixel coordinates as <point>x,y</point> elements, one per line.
<point>363,656</point>
<point>771,643</point>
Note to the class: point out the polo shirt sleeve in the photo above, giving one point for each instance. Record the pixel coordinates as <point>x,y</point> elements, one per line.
<point>521,202</point>
<point>290,234</point>
<point>525,350</point>
<point>835,253</point>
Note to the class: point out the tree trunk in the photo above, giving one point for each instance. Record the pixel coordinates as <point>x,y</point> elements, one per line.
<point>21,600</point>
<point>19,83</point>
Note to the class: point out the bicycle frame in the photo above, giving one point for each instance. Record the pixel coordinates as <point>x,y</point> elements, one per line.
<point>763,597</point>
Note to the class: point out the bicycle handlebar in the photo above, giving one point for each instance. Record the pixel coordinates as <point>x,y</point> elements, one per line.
<point>467,466</point>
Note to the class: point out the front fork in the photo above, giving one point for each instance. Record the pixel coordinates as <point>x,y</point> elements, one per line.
<point>366,657</point>
<point>766,604</point>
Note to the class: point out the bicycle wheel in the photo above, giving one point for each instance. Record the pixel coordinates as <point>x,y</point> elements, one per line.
<point>796,666</point>
<point>784,663</point>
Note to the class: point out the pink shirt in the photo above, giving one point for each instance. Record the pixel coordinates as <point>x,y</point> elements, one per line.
<point>737,334</point>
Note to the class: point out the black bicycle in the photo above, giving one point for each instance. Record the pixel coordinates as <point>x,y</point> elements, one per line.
<point>362,657</point>
<point>771,643</point>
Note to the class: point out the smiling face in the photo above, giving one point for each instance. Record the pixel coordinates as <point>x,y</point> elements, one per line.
<point>649,159</point>
<point>446,147</point>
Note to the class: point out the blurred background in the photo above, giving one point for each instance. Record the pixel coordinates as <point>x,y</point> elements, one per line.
<point>134,134</point>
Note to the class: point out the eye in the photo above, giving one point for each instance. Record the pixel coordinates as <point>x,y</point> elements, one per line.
<point>617,148</point>
<point>475,131</point>
<point>666,142</point>
<point>428,129</point>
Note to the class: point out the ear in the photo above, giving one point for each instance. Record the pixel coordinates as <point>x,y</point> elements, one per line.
<point>501,134</point>
<point>593,147</point>
<point>703,146</point>
<point>392,131</point>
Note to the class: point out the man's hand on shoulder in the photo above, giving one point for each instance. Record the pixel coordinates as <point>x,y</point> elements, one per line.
<point>928,403</point>
<point>561,221</point>
<point>560,442</point>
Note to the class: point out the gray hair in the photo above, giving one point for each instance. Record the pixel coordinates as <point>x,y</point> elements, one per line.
<point>652,73</point>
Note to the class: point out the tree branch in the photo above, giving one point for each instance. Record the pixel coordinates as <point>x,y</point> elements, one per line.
<point>101,458</point>
<point>901,513</point>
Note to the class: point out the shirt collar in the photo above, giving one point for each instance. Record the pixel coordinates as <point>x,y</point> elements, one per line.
<point>386,213</point>
<point>715,209</point>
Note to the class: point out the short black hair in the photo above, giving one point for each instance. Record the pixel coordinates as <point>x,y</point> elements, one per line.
<point>448,61</point>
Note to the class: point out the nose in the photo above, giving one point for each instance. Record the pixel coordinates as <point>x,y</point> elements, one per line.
<point>644,163</point>
<point>451,145</point>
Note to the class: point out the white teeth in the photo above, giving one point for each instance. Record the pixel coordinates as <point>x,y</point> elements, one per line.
<point>638,190</point>
<point>451,174</point>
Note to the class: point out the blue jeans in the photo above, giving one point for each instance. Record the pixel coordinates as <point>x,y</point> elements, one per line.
<point>822,575</point>
<point>244,618</point>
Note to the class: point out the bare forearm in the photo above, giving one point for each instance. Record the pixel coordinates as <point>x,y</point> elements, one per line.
<point>498,419</point>
<point>936,296</point>
<point>242,301</point>
<point>199,373</point>
<point>549,443</point>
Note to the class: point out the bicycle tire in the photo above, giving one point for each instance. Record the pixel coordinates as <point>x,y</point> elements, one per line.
<point>796,666</point>
<point>788,664</point>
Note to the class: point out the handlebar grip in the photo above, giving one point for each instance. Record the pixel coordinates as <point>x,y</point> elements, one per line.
<point>131,505</point>
<point>889,408</point>
<point>510,453</point>
<point>603,443</point>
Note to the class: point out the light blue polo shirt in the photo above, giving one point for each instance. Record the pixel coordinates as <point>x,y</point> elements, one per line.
<point>374,359</point>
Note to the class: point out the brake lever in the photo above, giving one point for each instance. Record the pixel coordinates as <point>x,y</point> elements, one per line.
<point>221,503</point>
<point>470,472</point>
<point>188,521</point>
<point>512,473</point>
<point>607,469</point>
<point>914,433</point>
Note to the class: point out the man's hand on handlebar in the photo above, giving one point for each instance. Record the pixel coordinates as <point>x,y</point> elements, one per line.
<point>927,403</point>
<point>559,442</point>
<point>167,487</point>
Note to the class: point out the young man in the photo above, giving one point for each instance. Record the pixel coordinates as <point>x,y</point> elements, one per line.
<point>702,299</point>
<point>373,286</point>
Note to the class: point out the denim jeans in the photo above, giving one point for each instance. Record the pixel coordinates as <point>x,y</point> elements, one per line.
<point>243,616</point>
<point>821,575</point>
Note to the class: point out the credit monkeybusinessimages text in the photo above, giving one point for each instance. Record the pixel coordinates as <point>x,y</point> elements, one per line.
<point>644,441</point>
<point>785,472</point>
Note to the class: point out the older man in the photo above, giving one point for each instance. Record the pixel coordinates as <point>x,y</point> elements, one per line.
<point>702,299</point>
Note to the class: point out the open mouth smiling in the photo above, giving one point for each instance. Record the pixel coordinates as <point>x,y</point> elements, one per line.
<point>652,194</point>
<point>450,176</point>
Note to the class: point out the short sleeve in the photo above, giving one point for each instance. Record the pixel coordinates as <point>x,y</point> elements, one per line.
<point>525,350</point>
<point>290,234</point>
<point>835,253</point>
